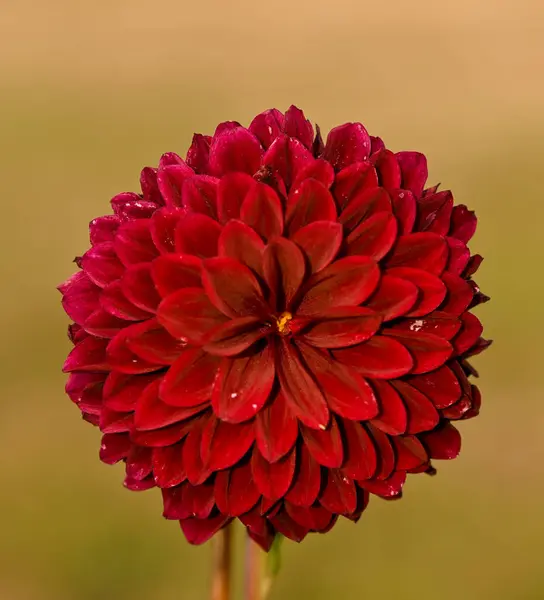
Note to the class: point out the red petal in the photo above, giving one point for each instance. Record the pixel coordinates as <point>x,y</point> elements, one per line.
<point>122,391</point>
<point>364,204</point>
<point>387,488</point>
<point>114,301</point>
<point>459,295</point>
<point>198,531</point>
<point>262,210</point>
<point>339,495</point>
<point>235,491</point>
<point>437,323</point>
<point>239,241</point>
<point>192,460</point>
<point>318,169</point>
<point>374,237</point>
<point>224,444</point>
<point>235,149</point>
<point>442,387</point>
<point>165,436</point>
<point>422,250</point>
<point>163,228</point>
<point>80,297</point>
<point>88,355</point>
<point>315,518</point>
<point>267,126</point>
<point>102,229</point>
<point>172,272</point>
<point>133,243</point>
<point>235,336</point>
<point>413,166</point>
<point>114,422</point>
<point>138,464</point>
<point>233,288</point>
<point>302,394</point>
<point>138,286</point>
<point>347,393</point>
<point>148,183</point>
<point>199,195</point>
<point>422,415</point>
<point>307,481</point>
<point>276,429</point>
<point>152,413</point>
<point>470,333</point>
<point>101,264</point>
<point>432,290</point>
<point>285,525</point>
<point>393,298</point>
<point>325,445</point>
<point>189,501</point>
<point>199,153</point>
<point>197,234</point>
<point>385,453</point>
<point>348,281</point>
<point>444,443</point>
<point>320,242</point>
<point>273,479</point>
<point>189,381</point>
<point>114,447</point>
<point>410,452</point>
<point>286,157</point>
<point>434,212</point>
<point>170,179</point>
<point>283,265</point>
<point>232,190</point>
<point>380,357</point>
<point>392,418</point>
<point>347,144</point>
<point>360,459</point>
<point>188,314</point>
<point>128,206</point>
<point>352,180</point>
<point>170,158</point>
<point>429,351</point>
<point>243,386</point>
<point>168,470</point>
<point>310,201</point>
<point>342,326</point>
<point>388,169</point>
<point>463,223</point>
<point>151,342</point>
<point>404,208</point>
<point>459,256</point>
<point>297,126</point>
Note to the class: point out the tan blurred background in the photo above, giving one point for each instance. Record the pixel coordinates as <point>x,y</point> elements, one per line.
<point>90,93</point>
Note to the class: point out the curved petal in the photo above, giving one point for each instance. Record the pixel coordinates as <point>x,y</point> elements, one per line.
<point>387,166</point>
<point>267,126</point>
<point>366,203</point>
<point>325,445</point>
<point>393,298</point>
<point>392,417</point>
<point>163,228</point>
<point>297,126</point>
<point>243,386</point>
<point>133,242</point>
<point>347,144</point>
<point>353,180</point>
<point>273,479</point>
<point>429,351</point>
<point>233,288</point>
<point>138,286</point>
<point>307,483</point>
<point>380,357</point>
<point>285,157</point>
<point>348,281</point>
<point>374,237</point>
<point>152,343</point>
<point>422,415</point>
<point>276,429</point>
<point>284,269</point>
<point>80,297</point>
<point>235,491</point>
<point>231,192</point>
<point>262,210</point>
<point>413,166</point>
<point>235,336</point>
<point>198,235</point>
<point>421,250</point>
<point>320,242</point>
<point>189,381</point>
<point>170,179</point>
<point>168,470</point>
<point>241,242</point>
<point>199,195</point>
<point>404,208</point>
<point>101,264</point>
<point>432,290</point>
<point>437,323</point>
<point>188,314</point>
<point>318,169</point>
<point>172,272</point>
<point>235,149</point>
<point>340,494</point>
<point>342,326</point>
<point>441,386</point>
<point>360,458</point>
<point>198,154</point>
<point>309,202</point>
<point>224,444</point>
<point>302,394</point>
<point>444,443</point>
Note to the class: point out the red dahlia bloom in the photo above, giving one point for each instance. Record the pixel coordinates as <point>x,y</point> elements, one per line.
<point>276,328</point>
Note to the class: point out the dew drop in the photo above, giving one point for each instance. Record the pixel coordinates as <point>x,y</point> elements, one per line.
<point>254,406</point>
<point>322,427</point>
<point>416,325</point>
<point>234,395</point>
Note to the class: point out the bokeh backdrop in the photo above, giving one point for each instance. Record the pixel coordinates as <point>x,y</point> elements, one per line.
<point>90,92</point>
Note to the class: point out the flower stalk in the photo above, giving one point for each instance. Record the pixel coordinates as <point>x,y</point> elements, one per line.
<point>222,564</point>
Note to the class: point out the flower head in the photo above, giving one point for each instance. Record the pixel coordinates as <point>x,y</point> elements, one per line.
<point>276,328</point>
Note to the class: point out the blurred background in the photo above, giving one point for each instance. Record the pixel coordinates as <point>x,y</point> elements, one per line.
<point>92,92</point>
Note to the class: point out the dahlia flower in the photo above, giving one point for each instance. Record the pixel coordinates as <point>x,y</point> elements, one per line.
<point>276,328</point>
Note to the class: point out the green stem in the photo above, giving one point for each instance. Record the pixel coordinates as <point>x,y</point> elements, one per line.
<point>222,564</point>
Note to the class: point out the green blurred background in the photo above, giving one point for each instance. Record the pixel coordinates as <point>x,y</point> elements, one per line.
<point>92,92</point>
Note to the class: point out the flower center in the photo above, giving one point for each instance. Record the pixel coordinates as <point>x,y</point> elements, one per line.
<point>282,323</point>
